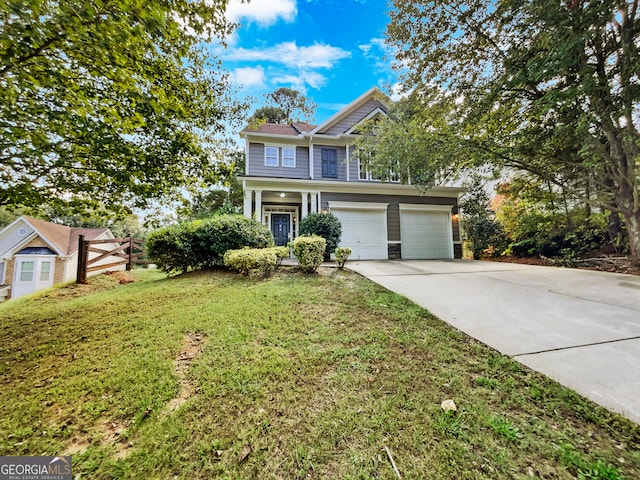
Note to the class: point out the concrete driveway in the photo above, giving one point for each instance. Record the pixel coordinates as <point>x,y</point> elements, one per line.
<point>581,328</point>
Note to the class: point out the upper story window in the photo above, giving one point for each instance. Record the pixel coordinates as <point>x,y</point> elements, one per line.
<point>279,156</point>
<point>365,174</point>
<point>329,162</point>
<point>271,157</point>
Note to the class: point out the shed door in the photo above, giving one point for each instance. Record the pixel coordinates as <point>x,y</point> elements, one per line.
<point>426,234</point>
<point>364,231</point>
<point>32,273</point>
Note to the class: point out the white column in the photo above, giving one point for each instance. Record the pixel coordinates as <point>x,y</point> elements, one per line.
<point>348,163</point>
<point>248,194</point>
<point>259,205</point>
<point>319,202</point>
<point>314,202</point>
<point>305,207</point>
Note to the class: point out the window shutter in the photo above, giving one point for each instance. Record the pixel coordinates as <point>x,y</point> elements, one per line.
<point>329,163</point>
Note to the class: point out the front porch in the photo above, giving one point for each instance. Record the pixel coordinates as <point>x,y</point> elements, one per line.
<point>281,210</point>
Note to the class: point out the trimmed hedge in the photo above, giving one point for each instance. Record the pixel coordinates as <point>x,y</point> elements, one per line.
<point>203,243</point>
<point>255,261</point>
<point>309,250</point>
<point>342,253</point>
<point>325,225</point>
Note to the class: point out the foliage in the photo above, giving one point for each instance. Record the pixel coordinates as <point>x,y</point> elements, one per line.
<point>202,243</point>
<point>171,249</point>
<point>224,196</point>
<point>109,103</point>
<point>214,236</point>
<point>257,261</point>
<point>287,105</point>
<point>309,250</point>
<point>325,225</point>
<point>342,254</point>
<point>585,470</point>
<point>479,225</point>
<point>545,87</point>
<point>539,221</point>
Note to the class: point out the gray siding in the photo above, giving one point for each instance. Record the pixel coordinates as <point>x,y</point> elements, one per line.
<point>341,157</point>
<point>394,201</point>
<point>257,167</point>
<point>354,117</point>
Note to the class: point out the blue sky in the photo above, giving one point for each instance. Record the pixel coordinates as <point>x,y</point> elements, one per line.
<point>330,50</point>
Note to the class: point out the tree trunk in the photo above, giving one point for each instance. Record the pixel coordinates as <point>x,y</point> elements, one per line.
<point>632,221</point>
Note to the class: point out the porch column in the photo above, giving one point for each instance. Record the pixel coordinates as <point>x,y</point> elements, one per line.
<point>314,202</point>
<point>248,194</point>
<point>305,205</point>
<point>259,205</point>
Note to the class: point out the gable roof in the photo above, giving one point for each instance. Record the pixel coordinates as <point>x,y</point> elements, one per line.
<point>60,238</point>
<point>372,94</point>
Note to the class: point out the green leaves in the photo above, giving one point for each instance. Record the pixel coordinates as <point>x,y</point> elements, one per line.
<point>108,102</point>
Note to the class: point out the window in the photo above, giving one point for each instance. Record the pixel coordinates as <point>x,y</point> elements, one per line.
<point>329,162</point>
<point>288,157</point>
<point>277,156</point>
<point>45,271</point>
<point>271,157</point>
<point>26,271</point>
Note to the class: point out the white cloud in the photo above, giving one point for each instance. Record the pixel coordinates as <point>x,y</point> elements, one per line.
<point>249,76</point>
<point>301,81</point>
<point>263,12</point>
<point>290,54</point>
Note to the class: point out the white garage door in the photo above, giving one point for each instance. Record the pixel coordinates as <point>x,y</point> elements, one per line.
<point>364,229</point>
<point>425,231</point>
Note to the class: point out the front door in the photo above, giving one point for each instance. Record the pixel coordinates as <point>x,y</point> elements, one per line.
<point>280,227</point>
<point>32,273</point>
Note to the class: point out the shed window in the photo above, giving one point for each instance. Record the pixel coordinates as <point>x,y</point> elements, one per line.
<point>45,271</point>
<point>26,271</point>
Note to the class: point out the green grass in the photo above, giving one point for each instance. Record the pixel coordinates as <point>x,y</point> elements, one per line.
<point>299,377</point>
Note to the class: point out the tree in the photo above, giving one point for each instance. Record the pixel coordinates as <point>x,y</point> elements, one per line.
<point>108,103</point>
<point>479,225</point>
<point>286,106</point>
<point>548,87</point>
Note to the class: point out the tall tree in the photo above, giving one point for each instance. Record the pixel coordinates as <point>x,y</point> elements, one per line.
<point>285,105</point>
<point>545,86</point>
<point>109,103</point>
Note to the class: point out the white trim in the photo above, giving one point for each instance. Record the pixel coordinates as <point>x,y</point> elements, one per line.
<point>358,205</point>
<point>311,163</point>
<point>293,211</point>
<point>348,160</point>
<point>373,113</point>
<point>265,156</point>
<point>282,149</point>
<point>371,93</point>
<point>425,208</point>
<point>333,186</point>
<point>246,156</point>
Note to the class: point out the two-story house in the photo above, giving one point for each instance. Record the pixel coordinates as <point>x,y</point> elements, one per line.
<point>296,169</point>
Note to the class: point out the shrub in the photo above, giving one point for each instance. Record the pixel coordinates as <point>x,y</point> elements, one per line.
<point>325,225</point>
<point>255,261</point>
<point>309,250</point>
<point>170,247</point>
<point>203,243</point>
<point>216,235</point>
<point>342,253</point>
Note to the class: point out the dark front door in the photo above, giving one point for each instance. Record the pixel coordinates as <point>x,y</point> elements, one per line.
<point>280,226</point>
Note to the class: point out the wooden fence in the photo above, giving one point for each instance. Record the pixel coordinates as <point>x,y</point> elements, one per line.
<point>129,252</point>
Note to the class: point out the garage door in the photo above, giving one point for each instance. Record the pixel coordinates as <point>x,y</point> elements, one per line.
<point>364,229</point>
<point>425,231</point>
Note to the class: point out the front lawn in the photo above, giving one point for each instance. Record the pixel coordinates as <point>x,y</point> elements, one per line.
<point>211,375</point>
